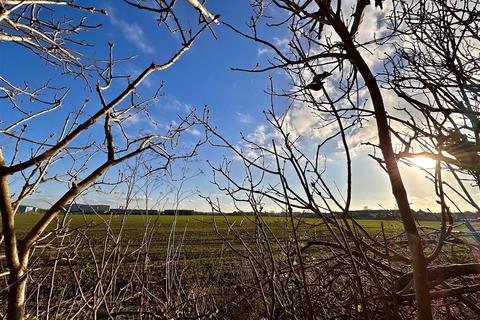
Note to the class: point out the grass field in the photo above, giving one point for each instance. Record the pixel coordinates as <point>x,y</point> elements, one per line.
<point>186,256</point>
<point>195,224</point>
<point>199,235</point>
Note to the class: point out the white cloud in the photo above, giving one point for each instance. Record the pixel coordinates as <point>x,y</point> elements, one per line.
<point>195,132</point>
<point>138,122</point>
<point>374,26</point>
<point>169,102</point>
<point>244,118</point>
<point>131,31</point>
<point>261,51</point>
<point>135,72</point>
<point>281,42</point>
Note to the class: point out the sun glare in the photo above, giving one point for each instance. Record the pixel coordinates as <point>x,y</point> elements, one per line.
<point>423,162</point>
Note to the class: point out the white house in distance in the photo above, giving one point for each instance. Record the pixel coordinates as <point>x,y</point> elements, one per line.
<point>26,209</point>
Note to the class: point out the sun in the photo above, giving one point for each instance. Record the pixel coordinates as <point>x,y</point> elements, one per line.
<point>423,162</point>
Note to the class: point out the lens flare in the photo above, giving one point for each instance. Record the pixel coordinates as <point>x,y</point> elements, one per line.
<point>423,162</point>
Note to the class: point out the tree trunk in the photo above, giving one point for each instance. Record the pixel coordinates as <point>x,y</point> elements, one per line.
<point>419,264</point>
<point>16,296</point>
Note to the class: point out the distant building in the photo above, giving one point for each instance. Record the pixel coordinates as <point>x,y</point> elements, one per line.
<point>150,212</point>
<point>89,208</point>
<point>372,214</point>
<point>25,209</point>
<point>179,212</point>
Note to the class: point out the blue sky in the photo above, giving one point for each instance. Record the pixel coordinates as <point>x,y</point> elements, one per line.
<point>202,77</point>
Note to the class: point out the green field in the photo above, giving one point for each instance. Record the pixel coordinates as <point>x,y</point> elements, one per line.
<point>199,235</point>
<point>191,253</point>
<point>195,224</point>
<point>196,227</point>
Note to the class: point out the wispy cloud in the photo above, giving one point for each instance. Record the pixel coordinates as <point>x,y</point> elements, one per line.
<point>195,132</point>
<point>281,42</point>
<point>244,117</point>
<point>169,102</point>
<point>131,31</point>
<point>135,72</point>
<point>261,51</point>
